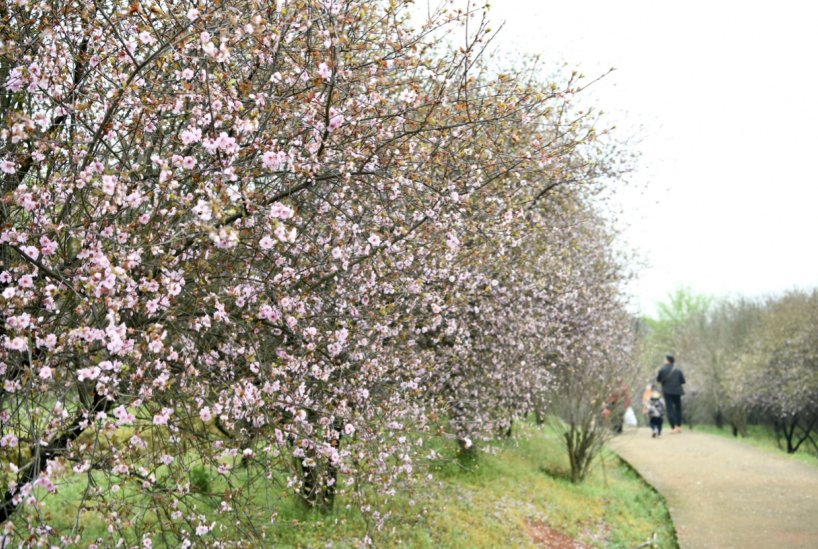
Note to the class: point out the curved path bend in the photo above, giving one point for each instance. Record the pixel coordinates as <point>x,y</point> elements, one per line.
<point>723,493</point>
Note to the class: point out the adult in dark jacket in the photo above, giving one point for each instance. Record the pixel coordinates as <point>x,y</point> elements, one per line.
<point>672,380</point>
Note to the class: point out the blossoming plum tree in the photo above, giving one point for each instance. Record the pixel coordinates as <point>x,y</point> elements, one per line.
<point>271,241</point>
<point>774,374</point>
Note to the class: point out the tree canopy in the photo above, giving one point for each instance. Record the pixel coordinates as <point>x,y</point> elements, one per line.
<point>278,242</point>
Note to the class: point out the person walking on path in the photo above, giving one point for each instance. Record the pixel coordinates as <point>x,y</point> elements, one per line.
<point>656,413</point>
<point>672,380</point>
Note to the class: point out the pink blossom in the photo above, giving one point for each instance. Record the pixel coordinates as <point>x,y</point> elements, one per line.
<point>47,246</point>
<point>269,313</point>
<point>8,441</point>
<point>408,95</point>
<point>191,135</point>
<point>45,482</point>
<point>49,341</point>
<point>273,160</point>
<point>189,162</point>
<point>226,143</point>
<point>8,167</point>
<point>193,14</point>
<point>26,281</point>
<point>30,251</point>
<point>285,235</point>
<point>156,346</point>
<point>203,210</point>
<point>205,414</point>
<point>266,243</point>
<point>335,122</point>
<point>187,74</point>
<point>281,211</point>
<point>19,343</point>
<point>135,199</point>
<point>26,200</point>
<point>210,145</point>
<point>45,372</point>
<point>109,184</point>
<point>117,344</point>
<point>20,322</point>
<point>14,81</point>
<point>88,373</point>
<point>374,240</point>
<point>452,242</point>
<point>225,238</point>
<point>123,416</point>
<point>80,468</point>
<point>324,71</point>
<point>162,417</point>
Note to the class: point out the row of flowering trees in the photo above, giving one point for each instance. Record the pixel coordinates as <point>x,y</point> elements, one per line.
<point>276,241</point>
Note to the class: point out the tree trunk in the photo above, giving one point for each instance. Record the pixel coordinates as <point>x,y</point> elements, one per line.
<point>319,482</point>
<point>510,429</point>
<point>579,442</point>
<point>718,419</point>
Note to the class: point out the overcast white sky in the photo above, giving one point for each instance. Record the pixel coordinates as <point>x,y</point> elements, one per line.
<point>726,96</point>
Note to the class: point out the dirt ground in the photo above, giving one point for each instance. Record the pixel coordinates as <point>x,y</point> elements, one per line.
<point>545,536</point>
<point>724,493</point>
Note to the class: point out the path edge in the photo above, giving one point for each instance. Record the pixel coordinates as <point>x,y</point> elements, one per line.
<point>653,488</point>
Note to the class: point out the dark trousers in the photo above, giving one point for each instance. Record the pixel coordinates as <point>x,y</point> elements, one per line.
<point>656,425</point>
<point>674,410</point>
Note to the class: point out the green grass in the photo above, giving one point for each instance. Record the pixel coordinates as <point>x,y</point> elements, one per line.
<point>491,501</point>
<point>527,481</point>
<point>762,436</point>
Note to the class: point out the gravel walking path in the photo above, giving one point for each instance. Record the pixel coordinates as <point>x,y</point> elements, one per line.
<point>724,493</point>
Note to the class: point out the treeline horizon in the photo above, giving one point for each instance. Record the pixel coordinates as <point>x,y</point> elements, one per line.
<point>748,360</point>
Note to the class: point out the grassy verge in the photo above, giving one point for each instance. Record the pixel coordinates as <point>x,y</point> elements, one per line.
<point>762,437</point>
<point>503,499</point>
<point>497,500</point>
